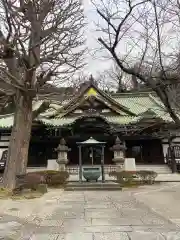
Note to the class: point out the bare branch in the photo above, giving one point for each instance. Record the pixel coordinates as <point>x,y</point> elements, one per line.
<point>146,22</point>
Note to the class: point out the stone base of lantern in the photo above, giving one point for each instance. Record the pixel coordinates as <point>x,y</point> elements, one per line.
<point>62,167</point>
<point>119,167</point>
<point>53,165</point>
<point>119,164</point>
<point>62,164</point>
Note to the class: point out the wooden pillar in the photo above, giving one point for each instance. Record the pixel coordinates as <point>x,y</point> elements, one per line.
<point>102,165</point>
<point>80,165</point>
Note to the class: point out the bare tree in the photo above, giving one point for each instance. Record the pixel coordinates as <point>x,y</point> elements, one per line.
<point>79,79</point>
<point>40,41</point>
<point>113,79</point>
<point>147,28</point>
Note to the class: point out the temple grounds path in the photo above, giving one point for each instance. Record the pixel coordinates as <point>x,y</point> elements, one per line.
<point>148,213</point>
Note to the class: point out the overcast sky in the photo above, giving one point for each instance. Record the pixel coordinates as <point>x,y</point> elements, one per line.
<point>132,46</point>
<point>94,61</point>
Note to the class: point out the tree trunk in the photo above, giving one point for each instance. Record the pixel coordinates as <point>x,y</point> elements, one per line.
<point>19,142</point>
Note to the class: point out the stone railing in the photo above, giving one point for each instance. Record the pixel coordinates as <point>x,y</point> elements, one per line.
<point>74,169</point>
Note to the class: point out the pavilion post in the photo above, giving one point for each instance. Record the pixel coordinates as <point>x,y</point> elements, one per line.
<point>102,165</point>
<point>172,155</point>
<point>80,165</point>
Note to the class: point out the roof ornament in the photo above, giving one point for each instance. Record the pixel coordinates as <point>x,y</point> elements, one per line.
<point>92,80</point>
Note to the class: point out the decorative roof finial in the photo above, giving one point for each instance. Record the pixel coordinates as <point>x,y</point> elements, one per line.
<point>91,79</point>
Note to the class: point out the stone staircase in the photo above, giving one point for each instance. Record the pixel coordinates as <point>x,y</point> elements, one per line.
<point>160,168</point>
<point>90,186</point>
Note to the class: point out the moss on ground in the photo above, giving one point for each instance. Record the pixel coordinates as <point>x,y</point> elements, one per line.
<point>27,195</point>
<point>8,194</point>
<point>5,193</point>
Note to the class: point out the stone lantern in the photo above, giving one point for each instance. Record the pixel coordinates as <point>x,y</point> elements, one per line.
<point>62,150</point>
<point>119,152</point>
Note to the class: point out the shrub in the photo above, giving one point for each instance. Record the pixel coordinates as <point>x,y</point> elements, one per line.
<point>28,181</point>
<point>54,177</point>
<point>42,188</point>
<point>123,176</point>
<point>59,178</point>
<point>146,176</point>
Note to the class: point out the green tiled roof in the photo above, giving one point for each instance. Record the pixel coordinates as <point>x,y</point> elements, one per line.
<point>120,119</point>
<point>57,121</point>
<point>123,120</point>
<point>65,121</point>
<point>6,121</point>
<point>143,102</point>
<point>139,104</point>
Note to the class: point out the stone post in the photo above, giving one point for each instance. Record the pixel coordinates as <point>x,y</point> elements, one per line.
<point>62,150</point>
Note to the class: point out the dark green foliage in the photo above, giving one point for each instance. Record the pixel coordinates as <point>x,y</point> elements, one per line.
<point>59,178</point>
<point>129,177</point>
<point>147,177</point>
<point>123,176</point>
<point>29,181</point>
<point>54,177</point>
<point>42,188</point>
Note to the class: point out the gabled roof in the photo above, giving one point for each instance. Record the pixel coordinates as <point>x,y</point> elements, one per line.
<point>91,90</point>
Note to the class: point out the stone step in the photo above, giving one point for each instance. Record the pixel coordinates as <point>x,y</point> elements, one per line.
<point>160,169</point>
<point>92,184</point>
<point>92,187</point>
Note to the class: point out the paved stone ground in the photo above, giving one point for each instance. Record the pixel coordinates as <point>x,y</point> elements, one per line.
<point>126,215</point>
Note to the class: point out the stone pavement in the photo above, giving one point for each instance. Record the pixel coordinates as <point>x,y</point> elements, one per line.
<point>164,201</point>
<point>58,215</point>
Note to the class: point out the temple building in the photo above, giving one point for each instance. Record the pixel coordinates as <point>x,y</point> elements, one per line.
<point>135,117</point>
